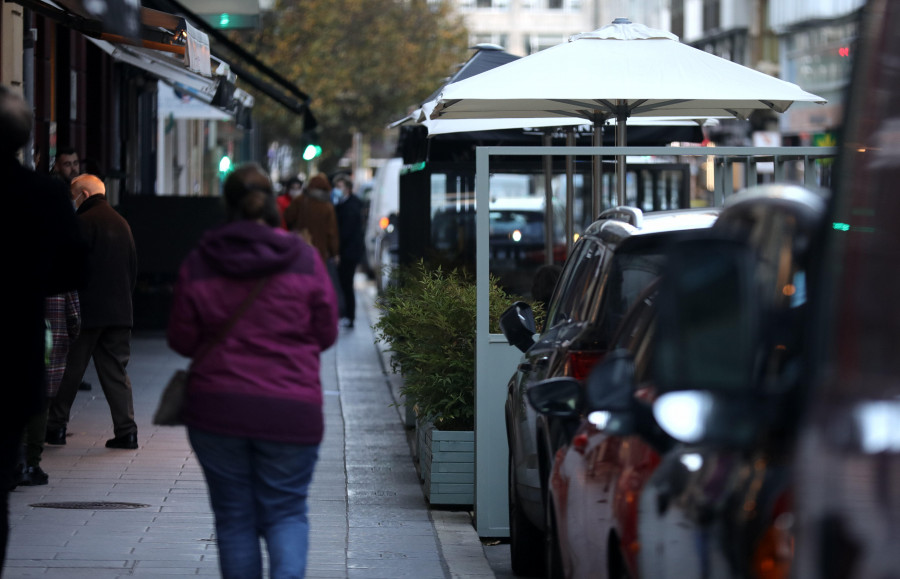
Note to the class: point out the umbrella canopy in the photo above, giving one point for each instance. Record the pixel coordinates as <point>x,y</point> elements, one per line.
<point>620,71</point>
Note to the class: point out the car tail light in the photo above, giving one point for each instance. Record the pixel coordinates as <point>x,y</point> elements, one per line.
<point>581,362</point>
<point>580,442</point>
<point>775,551</point>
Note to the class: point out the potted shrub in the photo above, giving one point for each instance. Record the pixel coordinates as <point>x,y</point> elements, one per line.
<point>428,326</point>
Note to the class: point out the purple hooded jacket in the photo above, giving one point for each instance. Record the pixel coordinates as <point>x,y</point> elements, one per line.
<point>262,379</point>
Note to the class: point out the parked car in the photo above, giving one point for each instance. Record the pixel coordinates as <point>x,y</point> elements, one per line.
<point>719,503</point>
<point>516,238</point>
<point>726,390</point>
<point>713,505</point>
<point>597,476</point>
<point>616,258</point>
<point>382,221</point>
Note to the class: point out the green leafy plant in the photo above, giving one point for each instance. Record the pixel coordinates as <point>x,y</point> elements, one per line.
<point>428,324</point>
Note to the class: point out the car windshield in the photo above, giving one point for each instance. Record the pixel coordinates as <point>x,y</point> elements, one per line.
<point>630,273</point>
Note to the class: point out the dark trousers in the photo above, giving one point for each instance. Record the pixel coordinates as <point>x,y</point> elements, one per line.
<point>10,449</point>
<point>33,439</point>
<point>346,271</point>
<point>111,349</point>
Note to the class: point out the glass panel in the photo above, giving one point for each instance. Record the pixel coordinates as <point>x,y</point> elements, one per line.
<point>580,276</point>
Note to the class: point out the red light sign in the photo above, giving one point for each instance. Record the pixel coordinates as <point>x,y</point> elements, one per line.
<point>844,51</point>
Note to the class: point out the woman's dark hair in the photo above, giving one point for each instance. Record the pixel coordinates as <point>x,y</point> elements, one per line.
<point>248,195</point>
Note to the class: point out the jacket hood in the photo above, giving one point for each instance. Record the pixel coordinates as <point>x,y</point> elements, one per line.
<point>245,249</point>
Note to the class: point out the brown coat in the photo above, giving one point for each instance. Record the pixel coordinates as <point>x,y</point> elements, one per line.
<point>314,219</point>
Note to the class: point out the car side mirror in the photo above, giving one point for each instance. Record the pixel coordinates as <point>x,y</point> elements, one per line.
<point>558,397</point>
<point>610,385</point>
<point>518,325</point>
<point>609,394</point>
<point>611,404</point>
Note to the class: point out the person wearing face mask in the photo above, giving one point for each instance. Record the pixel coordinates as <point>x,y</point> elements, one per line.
<point>292,188</point>
<point>106,316</point>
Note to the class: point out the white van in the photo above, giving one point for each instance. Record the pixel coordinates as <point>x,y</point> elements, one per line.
<point>381,234</point>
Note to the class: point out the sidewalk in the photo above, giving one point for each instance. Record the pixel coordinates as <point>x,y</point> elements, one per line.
<point>122,513</point>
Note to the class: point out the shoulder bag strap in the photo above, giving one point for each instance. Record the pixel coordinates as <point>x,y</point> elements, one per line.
<point>233,320</point>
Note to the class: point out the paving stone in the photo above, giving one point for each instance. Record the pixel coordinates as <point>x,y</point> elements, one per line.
<point>368,516</point>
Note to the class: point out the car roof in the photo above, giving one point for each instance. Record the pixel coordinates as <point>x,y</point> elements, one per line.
<point>535,203</point>
<point>613,228</point>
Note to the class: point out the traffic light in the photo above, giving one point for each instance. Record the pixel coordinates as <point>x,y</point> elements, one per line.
<point>309,144</point>
<point>225,165</point>
<point>311,152</point>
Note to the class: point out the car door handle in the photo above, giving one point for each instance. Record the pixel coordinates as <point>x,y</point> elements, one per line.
<point>528,366</point>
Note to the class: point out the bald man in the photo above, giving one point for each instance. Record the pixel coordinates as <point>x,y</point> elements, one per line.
<point>106,316</point>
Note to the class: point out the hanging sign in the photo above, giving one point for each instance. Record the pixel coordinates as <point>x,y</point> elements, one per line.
<point>196,55</point>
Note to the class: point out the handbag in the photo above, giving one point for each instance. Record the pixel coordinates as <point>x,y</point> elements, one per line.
<point>171,403</point>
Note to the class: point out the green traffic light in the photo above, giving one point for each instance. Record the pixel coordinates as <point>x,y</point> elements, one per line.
<point>311,152</point>
<point>224,20</point>
<point>224,164</point>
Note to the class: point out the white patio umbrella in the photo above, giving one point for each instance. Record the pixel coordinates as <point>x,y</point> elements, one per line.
<point>620,71</point>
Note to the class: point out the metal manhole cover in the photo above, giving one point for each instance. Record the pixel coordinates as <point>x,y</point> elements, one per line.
<point>91,506</point>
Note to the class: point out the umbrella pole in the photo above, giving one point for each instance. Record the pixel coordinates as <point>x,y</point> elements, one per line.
<point>620,160</point>
<point>570,191</point>
<point>548,201</point>
<point>597,169</point>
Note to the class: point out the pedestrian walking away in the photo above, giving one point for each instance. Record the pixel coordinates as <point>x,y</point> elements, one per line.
<point>255,306</point>
<point>106,316</point>
<point>352,243</point>
<point>312,216</point>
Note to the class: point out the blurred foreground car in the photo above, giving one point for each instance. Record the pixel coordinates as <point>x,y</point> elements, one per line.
<point>728,389</point>
<point>612,263</point>
<point>848,457</point>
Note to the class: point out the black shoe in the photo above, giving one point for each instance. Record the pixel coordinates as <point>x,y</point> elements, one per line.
<point>15,477</point>
<point>33,476</point>
<point>55,436</point>
<point>84,385</point>
<point>126,441</point>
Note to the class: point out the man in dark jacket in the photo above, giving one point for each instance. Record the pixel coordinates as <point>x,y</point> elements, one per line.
<point>45,256</point>
<point>350,230</point>
<point>106,314</point>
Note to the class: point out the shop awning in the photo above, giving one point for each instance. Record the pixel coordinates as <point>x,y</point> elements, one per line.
<point>161,34</point>
<point>166,68</point>
<point>178,105</point>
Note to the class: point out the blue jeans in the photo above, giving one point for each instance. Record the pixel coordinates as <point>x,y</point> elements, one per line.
<point>257,489</point>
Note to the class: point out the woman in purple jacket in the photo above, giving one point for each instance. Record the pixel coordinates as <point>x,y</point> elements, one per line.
<point>254,400</point>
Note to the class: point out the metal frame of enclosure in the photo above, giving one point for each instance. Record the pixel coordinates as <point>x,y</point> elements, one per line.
<point>495,359</point>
